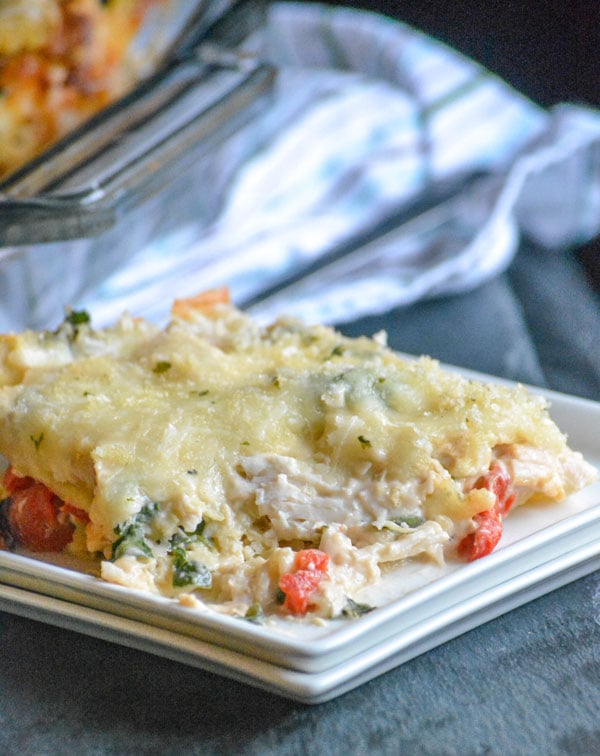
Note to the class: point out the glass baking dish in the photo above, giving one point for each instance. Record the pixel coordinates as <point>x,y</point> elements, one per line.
<point>146,165</point>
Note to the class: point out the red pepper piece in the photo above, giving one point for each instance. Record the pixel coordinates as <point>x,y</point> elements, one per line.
<point>485,538</point>
<point>76,512</point>
<point>33,517</point>
<point>310,567</point>
<point>13,482</point>
<point>488,524</point>
<point>312,559</point>
<point>498,482</point>
<point>298,588</point>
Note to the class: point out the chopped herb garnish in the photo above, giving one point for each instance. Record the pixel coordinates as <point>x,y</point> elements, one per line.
<point>77,317</point>
<point>37,440</point>
<point>364,442</point>
<point>410,521</point>
<point>275,382</point>
<point>193,471</point>
<point>188,539</point>
<point>244,443</point>
<point>202,393</point>
<point>161,367</point>
<point>279,596</point>
<point>148,511</point>
<point>131,541</point>
<point>255,614</point>
<point>73,318</point>
<point>337,351</point>
<point>132,534</point>
<point>189,572</point>
<point>353,609</point>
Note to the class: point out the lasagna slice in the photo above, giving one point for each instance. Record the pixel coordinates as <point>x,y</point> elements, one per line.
<point>268,470</point>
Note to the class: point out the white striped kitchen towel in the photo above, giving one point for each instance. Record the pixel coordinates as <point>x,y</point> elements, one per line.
<point>369,115</point>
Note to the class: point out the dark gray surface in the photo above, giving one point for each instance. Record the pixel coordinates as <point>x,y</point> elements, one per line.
<point>526,683</point>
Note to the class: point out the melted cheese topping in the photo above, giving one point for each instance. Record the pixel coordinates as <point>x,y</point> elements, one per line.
<point>252,443</point>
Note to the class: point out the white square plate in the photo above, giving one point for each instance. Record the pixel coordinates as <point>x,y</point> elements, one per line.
<point>418,606</point>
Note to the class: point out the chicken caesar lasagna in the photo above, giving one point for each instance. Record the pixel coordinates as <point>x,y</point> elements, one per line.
<point>260,470</point>
<point>61,61</point>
